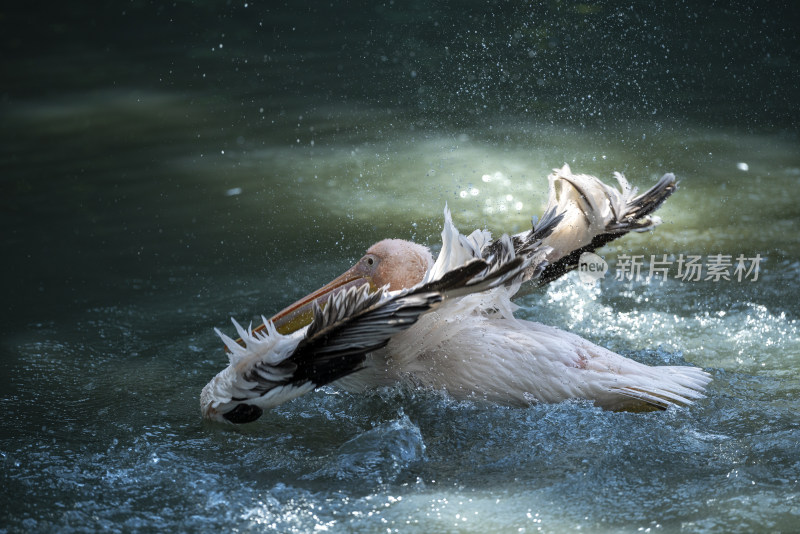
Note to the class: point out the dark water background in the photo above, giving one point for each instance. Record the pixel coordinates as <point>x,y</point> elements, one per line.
<point>164,167</point>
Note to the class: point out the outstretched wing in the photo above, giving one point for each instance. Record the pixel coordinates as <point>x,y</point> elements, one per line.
<point>591,214</point>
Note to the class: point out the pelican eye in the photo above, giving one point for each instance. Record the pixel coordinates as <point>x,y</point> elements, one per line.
<point>370,261</point>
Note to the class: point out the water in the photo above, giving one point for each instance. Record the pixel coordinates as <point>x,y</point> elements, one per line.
<point>155,184</point>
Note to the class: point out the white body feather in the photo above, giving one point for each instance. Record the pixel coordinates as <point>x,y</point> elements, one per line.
<point>470,353</point>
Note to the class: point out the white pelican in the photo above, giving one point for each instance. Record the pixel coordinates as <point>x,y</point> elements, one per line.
<point>398,317</point>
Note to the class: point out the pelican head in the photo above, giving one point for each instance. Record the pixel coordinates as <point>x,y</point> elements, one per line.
<point>393,263</point>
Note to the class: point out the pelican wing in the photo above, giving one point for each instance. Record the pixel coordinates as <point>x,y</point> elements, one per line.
<point>353,324</point>
<point>584,214</point>
<point>594,214</point>
<point>268,369</point>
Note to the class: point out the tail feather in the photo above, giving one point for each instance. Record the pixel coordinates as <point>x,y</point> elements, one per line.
<point>661,387</point>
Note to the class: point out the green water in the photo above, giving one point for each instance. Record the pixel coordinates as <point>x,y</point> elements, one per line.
<point>154,184</point>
